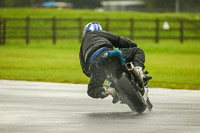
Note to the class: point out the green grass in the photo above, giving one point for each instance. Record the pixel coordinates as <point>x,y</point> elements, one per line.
<point>41,62</point>
<point>68,13</point>
<point>172,65</point>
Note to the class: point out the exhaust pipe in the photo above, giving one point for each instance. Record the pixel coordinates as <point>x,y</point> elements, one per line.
<point>130,66</point>
<point>136,74</point>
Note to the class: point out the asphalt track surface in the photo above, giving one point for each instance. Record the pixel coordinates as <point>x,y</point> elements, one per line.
<point>38,107</point>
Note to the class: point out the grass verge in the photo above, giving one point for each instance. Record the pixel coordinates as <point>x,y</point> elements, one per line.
<point>171,64</point>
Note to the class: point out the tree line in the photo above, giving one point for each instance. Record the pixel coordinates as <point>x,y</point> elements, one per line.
<point>151,5</point>
<point>171,5</point>
<point>30,3</point>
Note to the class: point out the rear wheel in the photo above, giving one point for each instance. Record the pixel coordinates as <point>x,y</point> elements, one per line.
<point>129,95</point>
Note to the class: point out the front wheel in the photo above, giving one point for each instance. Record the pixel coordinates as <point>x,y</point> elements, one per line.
<point>128,94</point>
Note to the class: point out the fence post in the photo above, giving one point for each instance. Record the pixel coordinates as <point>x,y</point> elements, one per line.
<point>54,30</point>
<point>157,31</point>
<point>80,29</point>
<point>107,20</point>
<point>27,30</point>
<point>131,29</point>
<point>181,31</point>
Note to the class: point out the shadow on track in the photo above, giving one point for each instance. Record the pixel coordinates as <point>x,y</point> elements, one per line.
<point>116,115</point>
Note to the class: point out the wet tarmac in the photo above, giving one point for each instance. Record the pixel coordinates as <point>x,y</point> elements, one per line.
<point>38,107</point>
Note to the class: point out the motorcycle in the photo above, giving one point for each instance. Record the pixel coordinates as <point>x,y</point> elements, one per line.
<point>127,86</point>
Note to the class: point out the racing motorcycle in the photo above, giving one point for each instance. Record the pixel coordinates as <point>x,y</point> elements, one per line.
<point>121,77</point>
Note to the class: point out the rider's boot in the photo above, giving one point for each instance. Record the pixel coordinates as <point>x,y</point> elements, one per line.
<point>111,91</point>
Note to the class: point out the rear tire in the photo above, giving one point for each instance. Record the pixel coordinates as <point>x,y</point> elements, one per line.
<point>129,95</point>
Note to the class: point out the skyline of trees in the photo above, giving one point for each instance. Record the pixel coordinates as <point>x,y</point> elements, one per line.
<point>30,3</point>
<point>151,5</point>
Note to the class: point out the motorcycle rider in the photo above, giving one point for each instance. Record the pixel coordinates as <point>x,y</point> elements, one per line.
<point>94,43</point>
